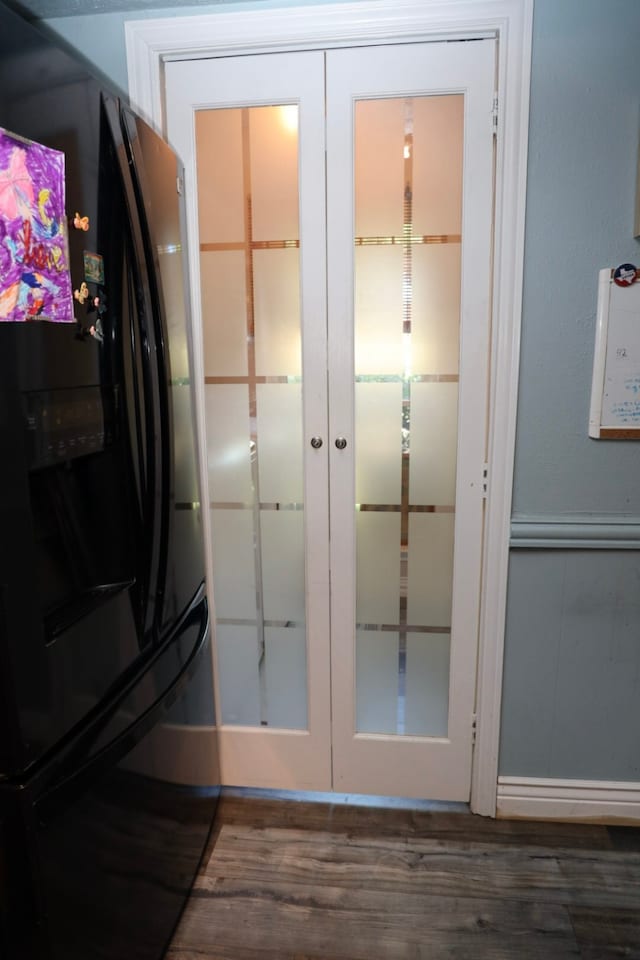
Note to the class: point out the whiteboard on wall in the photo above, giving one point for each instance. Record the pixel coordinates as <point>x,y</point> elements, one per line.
<point>615,388</point>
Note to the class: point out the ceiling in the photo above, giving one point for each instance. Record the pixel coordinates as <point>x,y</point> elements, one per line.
<point>43,9</point>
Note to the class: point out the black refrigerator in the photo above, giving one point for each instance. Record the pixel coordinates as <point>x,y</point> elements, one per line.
<point>108,768</point>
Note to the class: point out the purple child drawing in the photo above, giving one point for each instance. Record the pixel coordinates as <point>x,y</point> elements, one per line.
<point>34,263</point>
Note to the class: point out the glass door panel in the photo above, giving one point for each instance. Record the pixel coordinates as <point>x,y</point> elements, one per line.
<point>378,343</point>
<point>223,283</point>
<point>406,405</point>
<point>378,460</point>
<point>435,320</point>
<point>379,176</point>
<point>247,169</point>
<point>434,428</point>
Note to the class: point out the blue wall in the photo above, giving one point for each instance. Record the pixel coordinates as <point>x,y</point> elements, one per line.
<point>571,691</point>
<point>100,37</point>
<point>583,148</point>
<point>571,704</point>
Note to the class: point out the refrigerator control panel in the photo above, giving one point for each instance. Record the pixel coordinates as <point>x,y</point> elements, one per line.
<point>64,424</point>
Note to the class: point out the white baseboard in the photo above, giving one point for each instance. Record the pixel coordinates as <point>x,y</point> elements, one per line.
<point>600,801</point>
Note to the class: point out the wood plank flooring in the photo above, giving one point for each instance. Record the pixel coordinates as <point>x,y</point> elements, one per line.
<point>321,881</point>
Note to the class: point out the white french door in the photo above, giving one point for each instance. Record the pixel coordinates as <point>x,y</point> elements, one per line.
<point>419,118</point>
<point>341,205</point>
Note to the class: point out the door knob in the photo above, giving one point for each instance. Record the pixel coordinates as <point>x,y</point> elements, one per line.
<point>341,443</point>
<point>316,442</point>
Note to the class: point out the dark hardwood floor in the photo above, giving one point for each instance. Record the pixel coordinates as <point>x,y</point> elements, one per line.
<point>321,881</point>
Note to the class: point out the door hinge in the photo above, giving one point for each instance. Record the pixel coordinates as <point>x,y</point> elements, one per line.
<point>474,728</point>
<point>485,481</point>
<point>494,114</point>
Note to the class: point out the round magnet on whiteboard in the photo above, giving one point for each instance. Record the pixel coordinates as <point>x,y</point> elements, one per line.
<point>625,275</point>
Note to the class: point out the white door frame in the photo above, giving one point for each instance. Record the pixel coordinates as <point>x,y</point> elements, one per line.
<point>150,43</point>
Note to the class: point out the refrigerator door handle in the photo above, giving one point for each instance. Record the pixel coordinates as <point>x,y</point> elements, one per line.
<point>155,389</point>
<point>148,248</point>
<point>62,793</point>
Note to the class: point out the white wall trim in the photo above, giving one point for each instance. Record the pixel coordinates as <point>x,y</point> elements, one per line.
<point>150,43</point>
<point>575,533</point>
<point>580,800</point>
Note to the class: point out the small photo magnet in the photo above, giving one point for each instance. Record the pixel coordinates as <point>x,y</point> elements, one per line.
<point>93,267</point>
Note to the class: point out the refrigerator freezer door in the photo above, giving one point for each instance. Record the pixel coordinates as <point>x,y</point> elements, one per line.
<point>85,490</point>
<point>118,830</point>
<point>73,559</point>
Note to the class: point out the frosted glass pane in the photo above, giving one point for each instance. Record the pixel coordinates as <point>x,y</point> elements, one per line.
<point>286,677</point>
<point>239,681</point>
<point>427,685</point>
<point>378,567</point>
<point>379,442</point>
<point>435,340</point>
<point>283,564</point>
<point>234,580</point>
<point>376,681</point>
<point>219,166</point>
<point>437,164</point>
<point>224,320</point>
<point>430,569</point>
<point>276,291</point>
<point>378,310</point>
<point>434,434</point>
<point>280,442</point>
<point>274,172</point>
<point>186,480</point>
<point>379,167</point>
<point>228,456</point>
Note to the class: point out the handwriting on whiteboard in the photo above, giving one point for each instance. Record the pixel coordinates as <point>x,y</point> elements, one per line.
<point>626,411</point>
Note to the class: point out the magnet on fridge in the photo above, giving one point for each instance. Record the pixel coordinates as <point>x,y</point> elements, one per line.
<point>93,267</point>
<point>625,275</point>
<point>100,304</point>
<point>82,294</point>
<point>81,223</point>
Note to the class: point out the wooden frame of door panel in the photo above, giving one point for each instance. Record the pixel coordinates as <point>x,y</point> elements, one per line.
<point>150,43</point>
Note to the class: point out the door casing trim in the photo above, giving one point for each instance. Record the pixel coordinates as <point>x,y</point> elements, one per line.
<point>149,43</point>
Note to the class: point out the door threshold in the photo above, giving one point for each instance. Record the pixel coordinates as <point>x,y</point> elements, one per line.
<point>347,799</point>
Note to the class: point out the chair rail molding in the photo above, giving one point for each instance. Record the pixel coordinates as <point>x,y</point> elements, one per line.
<point>575,533</point>
<point>150,43</point>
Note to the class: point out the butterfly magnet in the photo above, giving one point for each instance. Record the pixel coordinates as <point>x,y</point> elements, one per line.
<point>80,223</point>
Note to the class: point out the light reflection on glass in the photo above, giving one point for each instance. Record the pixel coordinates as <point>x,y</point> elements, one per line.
<point>422,127</point>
